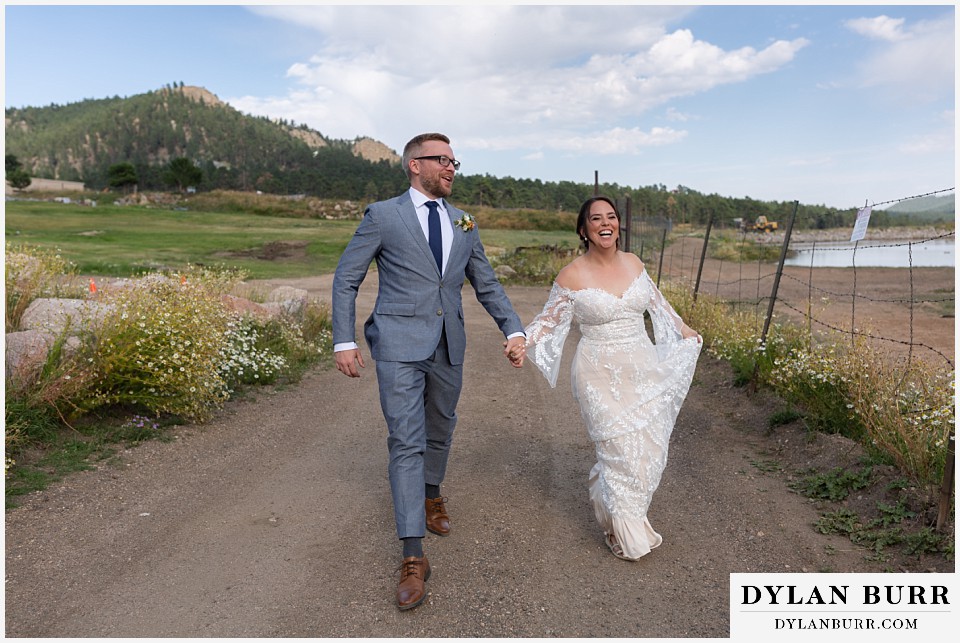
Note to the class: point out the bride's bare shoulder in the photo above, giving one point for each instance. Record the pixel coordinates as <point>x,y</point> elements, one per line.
<point>633,261</point>
<point>569,276</point>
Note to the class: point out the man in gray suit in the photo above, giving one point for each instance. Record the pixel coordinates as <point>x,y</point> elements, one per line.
<point>424,248</point>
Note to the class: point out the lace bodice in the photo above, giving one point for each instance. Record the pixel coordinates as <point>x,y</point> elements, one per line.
<point>603,318</point>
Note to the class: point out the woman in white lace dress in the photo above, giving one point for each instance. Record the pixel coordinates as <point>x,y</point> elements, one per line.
<point>629,388</point>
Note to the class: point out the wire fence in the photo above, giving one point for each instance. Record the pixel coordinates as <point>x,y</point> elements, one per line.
<point>903,304</point>
<point>891,301</point>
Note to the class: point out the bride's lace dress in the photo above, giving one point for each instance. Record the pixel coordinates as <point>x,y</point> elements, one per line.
<point>629,389</point>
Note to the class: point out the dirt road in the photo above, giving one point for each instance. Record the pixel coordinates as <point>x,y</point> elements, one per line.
<point>275,519</point>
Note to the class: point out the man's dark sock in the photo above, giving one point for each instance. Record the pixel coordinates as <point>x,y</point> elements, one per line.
<point>433,491</point>
<point>412,547</point>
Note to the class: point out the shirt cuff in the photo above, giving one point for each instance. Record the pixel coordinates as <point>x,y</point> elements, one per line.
<point>346,346</point>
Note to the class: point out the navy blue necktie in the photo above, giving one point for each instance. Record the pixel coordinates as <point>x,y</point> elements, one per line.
<point>433,233</point>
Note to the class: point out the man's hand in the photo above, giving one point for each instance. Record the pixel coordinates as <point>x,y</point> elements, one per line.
<point>515,350</point>
<point>348,360</point>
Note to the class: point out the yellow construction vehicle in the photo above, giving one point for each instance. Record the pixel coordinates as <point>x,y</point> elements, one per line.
<point>760,225</point>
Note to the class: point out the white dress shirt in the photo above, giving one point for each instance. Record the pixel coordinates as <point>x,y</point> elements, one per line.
<point>446,230</point>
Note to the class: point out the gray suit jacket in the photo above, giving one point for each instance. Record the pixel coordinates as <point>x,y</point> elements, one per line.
<point>414,304</point>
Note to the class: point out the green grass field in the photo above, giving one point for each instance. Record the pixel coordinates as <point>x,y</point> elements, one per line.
<point>121,241</point>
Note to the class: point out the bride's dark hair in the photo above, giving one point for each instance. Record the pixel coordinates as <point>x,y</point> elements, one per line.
<point>585,211</point>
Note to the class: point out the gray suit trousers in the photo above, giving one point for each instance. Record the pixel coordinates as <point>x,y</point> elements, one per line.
<point>419,402</point>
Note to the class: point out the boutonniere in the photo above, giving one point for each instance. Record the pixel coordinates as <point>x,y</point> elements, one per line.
<point>466,222</point>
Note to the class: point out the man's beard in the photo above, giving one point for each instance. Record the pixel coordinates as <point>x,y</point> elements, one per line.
<point>435,186</point>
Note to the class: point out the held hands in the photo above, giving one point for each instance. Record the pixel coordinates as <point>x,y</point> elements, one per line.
<point>348,360</point>
<point>515,350</point>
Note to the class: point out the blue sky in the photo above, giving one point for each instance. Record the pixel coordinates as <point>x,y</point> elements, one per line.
<point>839,105</point>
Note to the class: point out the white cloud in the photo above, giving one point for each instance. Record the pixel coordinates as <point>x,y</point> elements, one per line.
<point>917,64</point>
<point>879,28</point>
<point>617,140</point>
<point>580,76</point>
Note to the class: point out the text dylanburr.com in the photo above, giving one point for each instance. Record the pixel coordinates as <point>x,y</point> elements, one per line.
<point>843,607</point>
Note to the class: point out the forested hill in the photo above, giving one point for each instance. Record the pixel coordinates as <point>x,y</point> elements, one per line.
<point>929,208</point>
<point>234,151</point>
<point>80,141</point>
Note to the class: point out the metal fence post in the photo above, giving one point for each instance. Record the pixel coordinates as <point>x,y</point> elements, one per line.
<point>703,256</point>
<point>629,221</point>
<point>776,287</point>
<point>663,244</point>
<point>853,298</point>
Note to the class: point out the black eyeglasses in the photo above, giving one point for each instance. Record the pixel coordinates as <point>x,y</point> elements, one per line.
<point>444,161</point>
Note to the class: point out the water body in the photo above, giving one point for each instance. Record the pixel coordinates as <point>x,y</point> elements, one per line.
<point>890,254</point>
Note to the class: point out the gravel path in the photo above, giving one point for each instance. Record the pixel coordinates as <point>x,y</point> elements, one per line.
<point>275,519</point>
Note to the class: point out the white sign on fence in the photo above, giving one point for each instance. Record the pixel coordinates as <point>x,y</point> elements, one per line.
<point>860,227</point>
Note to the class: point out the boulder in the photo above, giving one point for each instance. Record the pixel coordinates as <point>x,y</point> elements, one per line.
<point>288,300</point>
<point>26,352</point>
<point>503,271</point>
<point>246,307</point>
<point>57,316</point>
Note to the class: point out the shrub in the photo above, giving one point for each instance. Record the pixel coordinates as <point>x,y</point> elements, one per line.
<point>908,410</point>
<point>245,357</point>
<point>306,339</point>
<point>262,351</point>
<point>815,382</point>
<point>158,348</point>
<point>537,265</point>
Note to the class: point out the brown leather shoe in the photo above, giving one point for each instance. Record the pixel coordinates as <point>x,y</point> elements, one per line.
<point>438,522</point>
<point>414,572</point>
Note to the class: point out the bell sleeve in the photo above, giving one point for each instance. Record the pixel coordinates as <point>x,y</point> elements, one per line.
<point>667,324</point>
<point>548,331</point>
